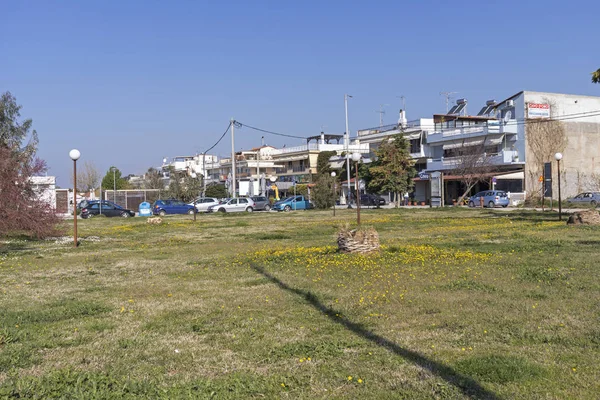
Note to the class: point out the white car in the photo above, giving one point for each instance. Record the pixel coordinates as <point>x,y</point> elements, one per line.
<point>239,204</point>
<point>202,203</point>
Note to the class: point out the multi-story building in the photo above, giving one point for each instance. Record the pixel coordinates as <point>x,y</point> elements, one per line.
<point>283,167</point>
<point>515,136</point>
<point>415,132</point>
<point>191,164</point>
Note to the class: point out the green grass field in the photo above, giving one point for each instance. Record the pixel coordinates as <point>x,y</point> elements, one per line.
<point>459,303</point>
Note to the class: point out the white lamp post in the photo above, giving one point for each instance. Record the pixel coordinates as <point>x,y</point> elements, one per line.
<point>356,158</point>
<point>74,154</point>
<point>558,157</point>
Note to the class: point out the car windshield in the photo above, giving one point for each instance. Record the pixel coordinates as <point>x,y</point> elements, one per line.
<point>290,199</point>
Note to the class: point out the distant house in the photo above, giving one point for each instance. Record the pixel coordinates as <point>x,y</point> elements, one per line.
<point>45,188</point>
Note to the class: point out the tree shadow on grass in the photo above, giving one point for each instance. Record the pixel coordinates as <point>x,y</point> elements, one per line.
<point>466,384</point>
<point>7,248</point>
<point>527,215</point>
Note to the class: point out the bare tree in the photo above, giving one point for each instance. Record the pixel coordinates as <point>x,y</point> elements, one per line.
<point>544,137</point>
<point>473,166</point>
<point>89,176</point>
<point>153,179</point>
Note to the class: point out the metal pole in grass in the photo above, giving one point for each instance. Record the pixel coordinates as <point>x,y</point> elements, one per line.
<point>356,158</point>
<point>333,187</point>
<point>558,157</point>
<point>74,154</point>
<point>195,198</point>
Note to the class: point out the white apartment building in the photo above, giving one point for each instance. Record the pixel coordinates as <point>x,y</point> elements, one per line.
<point>500,131</point>
<point>266,165</point>
<point>415,132</point>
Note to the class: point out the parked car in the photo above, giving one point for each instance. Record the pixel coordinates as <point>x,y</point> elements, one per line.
<point>491,199</point>
<point>292,203</point>
<point>261,203</point>
<point>109,209</point>
<point>83,203</point>
<point>164,207</point>
<point>202,203</point>
<point>239,204</point>
<point>371,200</point>
<point>587,198</point>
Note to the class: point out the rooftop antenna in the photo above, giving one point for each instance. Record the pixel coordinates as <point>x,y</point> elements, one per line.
<point>448,96</point>
<point>403,101</point>
<point>381,113</point>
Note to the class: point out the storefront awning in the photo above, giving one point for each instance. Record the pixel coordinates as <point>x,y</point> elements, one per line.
<point>494,141</point>
<point>515,175</point>
<point>413,136</point>
<point>464,143</point>
<point>336,164</point>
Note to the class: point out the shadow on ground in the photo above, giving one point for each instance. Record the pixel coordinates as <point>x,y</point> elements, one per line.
<point>467,385</point>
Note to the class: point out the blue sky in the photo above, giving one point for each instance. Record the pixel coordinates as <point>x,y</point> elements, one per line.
<point>130,82</point>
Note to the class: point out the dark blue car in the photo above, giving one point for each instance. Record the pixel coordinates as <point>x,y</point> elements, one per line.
<point>107,208</point>
<point>164,207</point>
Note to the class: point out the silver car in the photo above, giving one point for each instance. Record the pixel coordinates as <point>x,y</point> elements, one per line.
<point>239,204</point>
<point>261,203</point>
<point>202,203</point>
<point>587,198</point>
<point>491,199</point>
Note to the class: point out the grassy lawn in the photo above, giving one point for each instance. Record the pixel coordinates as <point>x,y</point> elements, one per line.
<point>458,304</point>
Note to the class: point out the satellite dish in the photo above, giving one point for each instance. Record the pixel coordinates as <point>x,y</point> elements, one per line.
<point>507,117</point>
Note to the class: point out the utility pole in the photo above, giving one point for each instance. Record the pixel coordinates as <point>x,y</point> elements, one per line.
<point>347,149</point>
<point>232,158</point>
<point>448,96</point>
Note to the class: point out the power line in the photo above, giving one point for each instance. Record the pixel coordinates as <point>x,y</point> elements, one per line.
<point>218,141</point>
<point>266,131</point>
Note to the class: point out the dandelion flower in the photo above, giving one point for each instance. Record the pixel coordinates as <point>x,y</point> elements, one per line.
<point>360,380</point>
<point>349,378</point>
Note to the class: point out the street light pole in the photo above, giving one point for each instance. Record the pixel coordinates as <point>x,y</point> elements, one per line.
<point>346,96</point>
<point>232,122</point>
<point>194,176</point>
<point>114,170</point>
<point>333,187</point>
<point>558,157</point>
<point>356,157</point>
<point>74,154</point>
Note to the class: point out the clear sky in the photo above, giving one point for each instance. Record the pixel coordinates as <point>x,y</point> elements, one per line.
<point>131,82</point>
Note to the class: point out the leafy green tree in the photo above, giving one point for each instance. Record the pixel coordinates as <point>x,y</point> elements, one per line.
<point>322,193</point>
<point>22,207</point>
<point>393,169</point>
<point>216,190</point>
<point>323,162</point>
<point>108,182</point>
<point>183,186</point>
<point>596,76</point>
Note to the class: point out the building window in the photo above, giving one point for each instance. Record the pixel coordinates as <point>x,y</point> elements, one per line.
<point>415,146</point>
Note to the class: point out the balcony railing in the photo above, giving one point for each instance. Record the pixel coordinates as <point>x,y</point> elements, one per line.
<point>446,163</point>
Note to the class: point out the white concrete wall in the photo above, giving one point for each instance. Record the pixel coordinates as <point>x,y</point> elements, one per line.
<point>45,188</point>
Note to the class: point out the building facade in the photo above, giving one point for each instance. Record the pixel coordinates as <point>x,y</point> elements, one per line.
<point>515,137</point>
